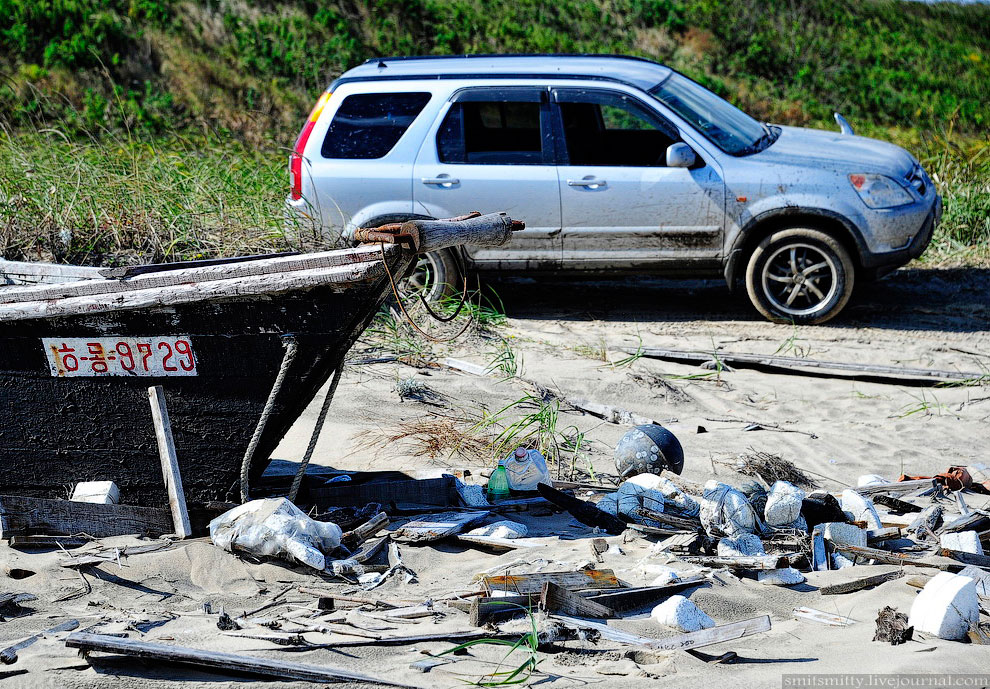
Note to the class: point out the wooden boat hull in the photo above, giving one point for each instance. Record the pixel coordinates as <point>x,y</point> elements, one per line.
<point>58,430</point>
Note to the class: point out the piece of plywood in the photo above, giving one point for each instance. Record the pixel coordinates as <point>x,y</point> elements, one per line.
<point>170,463</point>
<point>533,583</point>
<point>557,599</point>
<point>433,527</point>
<point>861,583</point>
<point>25,516</point>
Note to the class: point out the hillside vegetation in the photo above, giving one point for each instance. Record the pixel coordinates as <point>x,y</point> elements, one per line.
<point>202,97</point>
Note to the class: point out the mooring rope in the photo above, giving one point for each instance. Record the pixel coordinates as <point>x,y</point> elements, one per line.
<point>291,347</point>
<point>317,429</point>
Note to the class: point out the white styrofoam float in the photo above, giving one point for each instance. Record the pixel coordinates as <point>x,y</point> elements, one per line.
<point>680,613</point>
<point>946,607</point>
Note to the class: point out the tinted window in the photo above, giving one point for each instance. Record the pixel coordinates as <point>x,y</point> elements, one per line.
<point>602,128</point>
<point>493,133</point>
<point>368,125</point>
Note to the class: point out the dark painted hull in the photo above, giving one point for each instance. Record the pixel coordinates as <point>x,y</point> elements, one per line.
<point>57,431</point>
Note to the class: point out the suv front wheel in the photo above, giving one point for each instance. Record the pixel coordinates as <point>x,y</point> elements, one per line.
<point>799,275</point>
<point>437,275</point>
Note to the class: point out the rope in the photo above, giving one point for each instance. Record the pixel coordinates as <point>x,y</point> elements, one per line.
<point>291,347</point>
<point>402,306</point>
<point>317,429</point>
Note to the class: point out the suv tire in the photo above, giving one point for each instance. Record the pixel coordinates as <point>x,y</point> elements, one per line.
<point>437,275</point>
<point>800,275</point>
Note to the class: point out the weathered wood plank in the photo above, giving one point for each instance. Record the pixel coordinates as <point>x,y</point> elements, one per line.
<point>826,618</point>
<point>24,516</point>
<point>433,527</point>
<point>759,562</point>
<point>170,463</point>
<point>216,660</point>
<point>858,584</point>
<point>557,599</point>
<point>892,558</point>
<point>533,583</point>
<point>485,608</point>
<point>624,600</point>
<point>681,642</point>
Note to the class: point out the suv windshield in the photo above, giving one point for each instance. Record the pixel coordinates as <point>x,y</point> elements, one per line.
<point>719,121</point>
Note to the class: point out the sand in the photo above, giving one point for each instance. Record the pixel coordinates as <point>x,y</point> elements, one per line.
<point>834,429</point>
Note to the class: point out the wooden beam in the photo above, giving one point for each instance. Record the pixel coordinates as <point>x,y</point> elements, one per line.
<point>981,561</point>
<point>625,600</point>
<point>681,642</point>
<point>858,584</point>
<point>24,516</point>
<point>682,523</point>
<point>216,660</point>
<point>892,558</point>
<point>794,365</point>
<point>170,463</point>
<point>533,583</point>
<point>557,599</point>
<point>760,562</point>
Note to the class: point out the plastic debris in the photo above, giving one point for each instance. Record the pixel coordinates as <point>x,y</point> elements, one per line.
<point>859,508</point>
<point>501,529</point>
<point>680,613</point>
<point>526,469</point>
<point>946,607</point>
<point>963,541</point>
<point>743,545</point>
<point>640,492</point>
<point>676,497</point>
<point>498,483</point>
<point>786,576</point>
<point>648,449</point>
<point>784,504</point>
<point>609,504</point>
<point>840,561</point>
<point>725,511</point>
<point>472,495</point>
<point>275,527</point>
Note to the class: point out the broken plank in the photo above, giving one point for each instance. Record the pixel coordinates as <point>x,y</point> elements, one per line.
<point>24,516</point>
<point>895,488</point>
<point>681,642</point>
<point>973,559</point>
<point>533,583</point>
<point>895,504</point>
<point>433,527</point>
<point>861,583</point>
<point>677,522</point>
<point>892,558</point>
<point>362,533</point>
<point>625,600</point>
<point>759,562</point>
<point>484,609</point>
<point>557,599</point>
<point>498,543</point>
<point>216,660</point>
<point>887,533</point>
<point>826,618</point>
<point>794,365</point>
<point>170,463</point>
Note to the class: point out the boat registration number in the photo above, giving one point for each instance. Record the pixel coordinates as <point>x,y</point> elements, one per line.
<point>120,356</point>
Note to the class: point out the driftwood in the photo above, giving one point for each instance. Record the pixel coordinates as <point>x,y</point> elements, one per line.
<point>220,661</point>
<point>433,527</point>
<point>533,583</point>
<point>682,523</point>
<point>484,609</point>
<point>611,414</point>
<point>795,365</point>
<point>356,537</point>
<point>681,642</point>
<point>584,512</point>
<point>625,600</point>
<point>557,599</point>
<point>826,618</point>
<point>892,558</point>
<point>858,584</point>
<point>758,562</point>
<point>8,656</point>
<point>170,463</point>
<point>892,627</point>
<point>24,516</point>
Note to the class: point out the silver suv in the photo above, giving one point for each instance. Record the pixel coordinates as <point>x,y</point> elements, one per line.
<point>616,164</point>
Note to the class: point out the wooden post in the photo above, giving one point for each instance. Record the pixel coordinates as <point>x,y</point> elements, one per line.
<point>170,464</point>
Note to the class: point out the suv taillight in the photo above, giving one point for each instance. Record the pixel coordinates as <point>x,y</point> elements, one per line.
<point>296,159</point>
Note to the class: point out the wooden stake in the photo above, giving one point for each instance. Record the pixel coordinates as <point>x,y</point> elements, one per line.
<point>170,464</point>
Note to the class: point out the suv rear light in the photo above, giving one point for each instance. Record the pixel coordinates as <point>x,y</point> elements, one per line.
<point>296,158</point>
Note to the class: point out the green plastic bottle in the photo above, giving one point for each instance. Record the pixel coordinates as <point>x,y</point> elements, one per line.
<point>498,484</point>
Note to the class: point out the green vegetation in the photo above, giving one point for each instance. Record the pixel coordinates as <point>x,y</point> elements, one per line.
<point>163,125</point>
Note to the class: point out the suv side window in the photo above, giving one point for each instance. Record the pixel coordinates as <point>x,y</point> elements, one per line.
<point>368,125</point>
<point>611,128</point>
<point>495,127</point>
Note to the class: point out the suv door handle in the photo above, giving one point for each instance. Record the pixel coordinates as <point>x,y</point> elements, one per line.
<point>442,181</point>
<point>593,182</point>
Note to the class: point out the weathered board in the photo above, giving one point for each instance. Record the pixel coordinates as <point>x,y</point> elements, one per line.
<point>441,492</point>
<point>533,583</point>
<point>26,516</point>
<point>433,527</point>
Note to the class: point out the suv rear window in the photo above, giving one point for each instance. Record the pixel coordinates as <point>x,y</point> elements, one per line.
<point>491,133</point>
<point>368,125</point>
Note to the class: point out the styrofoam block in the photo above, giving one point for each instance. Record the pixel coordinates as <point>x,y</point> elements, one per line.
<point>860,508</point>
<point>980,577</point>
<point>964,541</point>
<point>783,503</point>
<point>844,534</point>
<point>99,492</point>
<point>946,607</point>
<point>787,576</point>
<point>725,510</point>
<point>743,545</point>
<point>871,480</point>
<point>681,613</point>
<point>840,561</point>
<point>501,529</point>
<point>663,575</point>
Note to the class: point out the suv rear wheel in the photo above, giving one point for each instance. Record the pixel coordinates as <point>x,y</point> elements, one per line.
<point>437,275</point>
<point>799,275</point>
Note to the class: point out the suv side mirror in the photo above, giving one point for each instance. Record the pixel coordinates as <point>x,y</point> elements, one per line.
<point>680,155</point>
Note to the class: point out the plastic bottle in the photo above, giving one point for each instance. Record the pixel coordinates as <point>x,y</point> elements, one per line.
<point>498,483</point>
<point>526,469</point>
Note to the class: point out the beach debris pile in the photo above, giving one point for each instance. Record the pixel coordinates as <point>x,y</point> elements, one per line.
<point>660,547</point>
